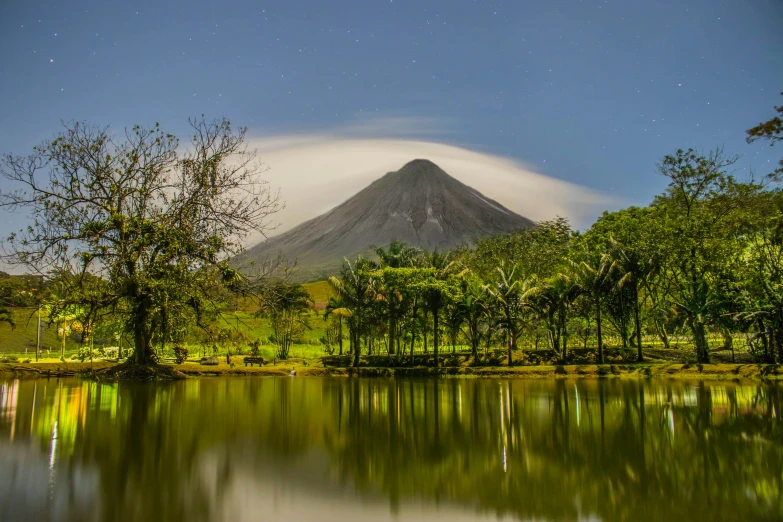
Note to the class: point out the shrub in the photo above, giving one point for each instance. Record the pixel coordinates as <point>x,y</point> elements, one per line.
<point>84,353</point>
<point>180,354</point>
<point>13,358</point>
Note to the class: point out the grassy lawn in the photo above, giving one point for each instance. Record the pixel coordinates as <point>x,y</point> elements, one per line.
<point>320,292</point>
<point>245,325</point>
<point>22,338</point>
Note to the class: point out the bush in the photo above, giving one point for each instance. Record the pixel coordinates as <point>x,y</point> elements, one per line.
<point>84,354</point>
<point>13,358</point>
<point>180,354</point>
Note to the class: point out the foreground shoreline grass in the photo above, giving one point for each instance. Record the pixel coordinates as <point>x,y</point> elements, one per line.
<point>721,371</point>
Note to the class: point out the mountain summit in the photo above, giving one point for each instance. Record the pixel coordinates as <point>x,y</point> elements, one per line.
<point>419,204</point>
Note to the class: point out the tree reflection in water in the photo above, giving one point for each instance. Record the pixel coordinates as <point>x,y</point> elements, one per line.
<point>234,449</point>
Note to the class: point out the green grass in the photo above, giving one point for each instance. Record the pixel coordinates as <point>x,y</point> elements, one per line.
<point>249,327</point>
<point>252,328</point>
<point>320,292</point>
<point>21,338</point>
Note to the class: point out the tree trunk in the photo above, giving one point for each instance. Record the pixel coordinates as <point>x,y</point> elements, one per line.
<point>142,352</point>
<point>598,329</point>
<point>510,348</point>
<point>425,331</point>
<point>728,341</point>
<point>357,349</point>
<point>660,328</point>
<point>340,336</point>
<point>413,346</point>
<point>435,335</point>
<point>700,340</point>
<point>564,335</point>
<point>392,332</point>
<point>62,349</point>
<point>639,356</point>
<point>623,322</point>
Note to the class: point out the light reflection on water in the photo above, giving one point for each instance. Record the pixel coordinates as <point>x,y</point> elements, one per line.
<point>371,450</point>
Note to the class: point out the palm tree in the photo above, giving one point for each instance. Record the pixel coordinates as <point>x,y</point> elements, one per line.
<point>398,255</point>
<point>699,304</point>
<point>592,276</point>
<point>285,304</point>
<point>473,303</point>
<point>354,289</point>
<point>508,294</point>
<point>553,300</point>
<point>436,292</point>
<point>636,267</point>
<point>335,307</point>
<point>392,289</point>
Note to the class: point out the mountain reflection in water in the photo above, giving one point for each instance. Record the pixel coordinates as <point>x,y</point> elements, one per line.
<point>349,449</point>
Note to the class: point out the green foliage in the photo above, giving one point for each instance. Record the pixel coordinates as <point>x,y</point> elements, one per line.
<point>180,354</point>
<point>20,291</point>
<point>7,317</point>
<point>140,228</point>
<point>772,131</point>
<point>286,305</point>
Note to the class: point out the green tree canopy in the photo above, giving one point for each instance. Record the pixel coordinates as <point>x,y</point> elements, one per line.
<point>158,221</point>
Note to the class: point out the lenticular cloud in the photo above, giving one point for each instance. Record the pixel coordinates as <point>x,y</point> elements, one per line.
<point>316,173</point>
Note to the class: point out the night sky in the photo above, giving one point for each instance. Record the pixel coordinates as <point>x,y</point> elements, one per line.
<point>590,92</point>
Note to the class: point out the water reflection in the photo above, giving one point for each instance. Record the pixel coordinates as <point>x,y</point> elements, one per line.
<point>348,449</point>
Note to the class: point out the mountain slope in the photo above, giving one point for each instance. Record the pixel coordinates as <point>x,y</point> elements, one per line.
<point>419,204</point>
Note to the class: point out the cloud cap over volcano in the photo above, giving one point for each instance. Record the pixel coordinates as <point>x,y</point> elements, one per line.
<point>315,173</point>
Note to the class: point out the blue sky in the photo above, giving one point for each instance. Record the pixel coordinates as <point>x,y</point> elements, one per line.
<point>590,92</point>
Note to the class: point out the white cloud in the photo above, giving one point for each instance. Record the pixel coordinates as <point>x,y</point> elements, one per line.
<point>318,172</point>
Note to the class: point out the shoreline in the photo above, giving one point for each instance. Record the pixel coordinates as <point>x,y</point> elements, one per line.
<point>720,371</point>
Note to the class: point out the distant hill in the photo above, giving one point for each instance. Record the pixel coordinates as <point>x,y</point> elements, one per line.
<point>419,204</point>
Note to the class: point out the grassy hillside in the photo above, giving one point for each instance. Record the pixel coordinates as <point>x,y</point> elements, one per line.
<point>22,338</point>
<point>320,292</point>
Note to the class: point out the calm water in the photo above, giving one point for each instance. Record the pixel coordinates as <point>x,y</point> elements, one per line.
<point>306,449</point>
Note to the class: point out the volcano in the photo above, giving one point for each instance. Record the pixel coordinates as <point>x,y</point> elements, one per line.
<point>419,204</point>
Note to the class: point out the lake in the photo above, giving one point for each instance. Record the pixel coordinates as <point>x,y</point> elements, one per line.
<point>342,449</point>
